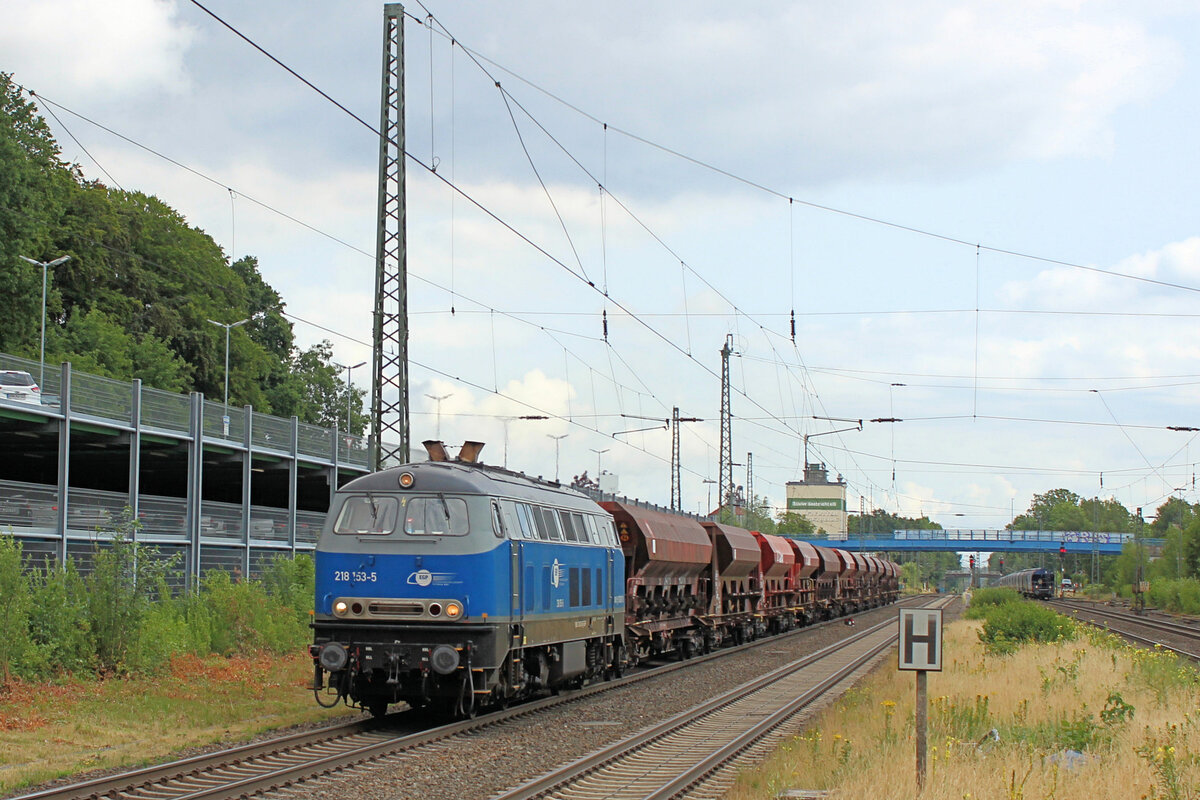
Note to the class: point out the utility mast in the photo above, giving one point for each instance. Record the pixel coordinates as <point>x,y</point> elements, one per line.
<point>676,490</point>
<point>725,485</point>
<point>749,482</point>
<point>676,494</point>
<point>389,384</point>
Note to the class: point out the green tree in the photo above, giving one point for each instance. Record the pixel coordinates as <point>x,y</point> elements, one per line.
<point>135,298</point>
<point>33,184</point>
<point>792,524</point>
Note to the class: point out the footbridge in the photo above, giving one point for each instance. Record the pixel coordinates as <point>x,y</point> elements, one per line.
<point>996,541</point>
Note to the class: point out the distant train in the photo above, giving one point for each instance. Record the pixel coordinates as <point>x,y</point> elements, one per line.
<point>456,585</point>
<point>1037,583</point>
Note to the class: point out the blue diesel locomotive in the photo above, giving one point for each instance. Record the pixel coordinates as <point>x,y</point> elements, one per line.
<point>453,585</point>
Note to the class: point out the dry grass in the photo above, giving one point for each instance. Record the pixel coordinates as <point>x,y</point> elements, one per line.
<point>49,731</point>
<point>1132,714</point>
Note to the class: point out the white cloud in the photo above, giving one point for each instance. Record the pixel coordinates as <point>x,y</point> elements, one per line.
<point>101,50</point>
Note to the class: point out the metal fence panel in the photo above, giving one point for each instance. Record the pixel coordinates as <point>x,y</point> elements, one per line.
<point>274,433</point>
<point>101,397</point>
<point>165,410</point>
<point>221,521</point>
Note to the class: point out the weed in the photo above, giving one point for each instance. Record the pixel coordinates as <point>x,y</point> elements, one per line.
<point>964,721</point>
<point>1165,763</point>
<point>1116,711</point>
<point>1161,672</point>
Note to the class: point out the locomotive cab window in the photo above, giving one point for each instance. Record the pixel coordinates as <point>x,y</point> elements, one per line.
<point>436,516</point>
<point>364,515</point>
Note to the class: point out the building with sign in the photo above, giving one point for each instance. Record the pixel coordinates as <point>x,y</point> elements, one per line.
<point>819,500</point>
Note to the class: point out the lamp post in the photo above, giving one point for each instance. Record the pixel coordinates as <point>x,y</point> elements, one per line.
<point>349,388</point>
<point>507,420</point>
<point>438,399</point>
<point>42,353</point>
<point>228,326</point>
<point>557,439</point>
<point>598,454</point>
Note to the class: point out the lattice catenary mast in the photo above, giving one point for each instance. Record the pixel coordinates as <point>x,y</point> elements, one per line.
<point>726,467</point>
<point>389,385</point>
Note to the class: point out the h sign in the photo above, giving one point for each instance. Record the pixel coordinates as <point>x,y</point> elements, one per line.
<point>921,639</point>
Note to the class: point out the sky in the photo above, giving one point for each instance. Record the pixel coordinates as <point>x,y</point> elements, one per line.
<point>982,216</point>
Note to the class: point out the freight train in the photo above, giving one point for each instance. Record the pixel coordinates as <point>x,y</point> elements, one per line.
<point>454,585</point>
<point>1037,583</point>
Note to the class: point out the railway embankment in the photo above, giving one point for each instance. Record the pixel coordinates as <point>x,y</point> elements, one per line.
<point>1079,713</point>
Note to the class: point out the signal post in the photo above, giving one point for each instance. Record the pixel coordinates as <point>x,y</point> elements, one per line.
<point>921,651</point>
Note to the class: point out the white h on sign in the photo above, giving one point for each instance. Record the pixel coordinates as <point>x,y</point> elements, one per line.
<point>921,639</point>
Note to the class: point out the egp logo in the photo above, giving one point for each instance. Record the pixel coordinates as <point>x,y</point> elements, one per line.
<point>421,577</point>
<point>556,574</point>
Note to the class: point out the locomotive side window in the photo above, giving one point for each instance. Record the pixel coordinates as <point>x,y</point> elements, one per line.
<point>589,524</point>
<point>539,524</point>
<point>568,529</point>
<point>580,528</point>
<point>497,523</point>
<point>436,516</point>
<point>551,525</point>
<point>525,519</point>
<point>368,515</point>
<point>605,525</point>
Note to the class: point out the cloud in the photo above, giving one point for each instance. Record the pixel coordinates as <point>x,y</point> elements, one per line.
<point>101,50</point>
<point>823,91</point>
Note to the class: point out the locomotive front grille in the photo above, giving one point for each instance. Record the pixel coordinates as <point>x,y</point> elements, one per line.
<point>394,609</point>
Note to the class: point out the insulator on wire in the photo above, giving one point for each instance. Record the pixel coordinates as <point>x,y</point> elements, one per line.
<point>604,322</point>
<point>793,326</point>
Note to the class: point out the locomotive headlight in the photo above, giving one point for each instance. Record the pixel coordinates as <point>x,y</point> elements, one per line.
<point>406,480</point>
<point>340,608</point>
<point>454,609</point>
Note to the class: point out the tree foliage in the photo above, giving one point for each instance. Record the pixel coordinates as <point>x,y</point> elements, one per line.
<point>136,296</point>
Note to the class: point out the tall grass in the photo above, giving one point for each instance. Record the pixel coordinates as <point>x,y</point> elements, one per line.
<point>122,618</point>
<point>1088,718</point>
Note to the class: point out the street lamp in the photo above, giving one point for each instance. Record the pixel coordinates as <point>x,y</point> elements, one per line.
<point>228,327</point>
<point>507,420</point>
<point>349,388</point>
<point>438,399</point>
<point>557,439</point>
<point>598,454</point>
<point>42,354</point>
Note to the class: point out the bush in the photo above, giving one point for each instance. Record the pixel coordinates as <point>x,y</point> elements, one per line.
<point>291,582</point>
<point>1175,594</point>
<point>982,600</point>
<point>15,643</point>
<point>123,618</point>
<point>1008,625</point>
<point>125,580</point>
<point>243,618</point>
<point>59,624</point>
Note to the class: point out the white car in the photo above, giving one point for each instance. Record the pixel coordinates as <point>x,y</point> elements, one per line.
<point>19,386</point>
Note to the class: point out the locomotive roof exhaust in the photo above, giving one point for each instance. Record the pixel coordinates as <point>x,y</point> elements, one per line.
<point>468,454</point>
<point>436,450</point>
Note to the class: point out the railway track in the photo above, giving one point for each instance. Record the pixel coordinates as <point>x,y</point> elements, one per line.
<point>1180,637</point>
<point>263,767</point>
<point>670,759</point>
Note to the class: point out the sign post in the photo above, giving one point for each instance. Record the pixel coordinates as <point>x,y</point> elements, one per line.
<point>921,651</point>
